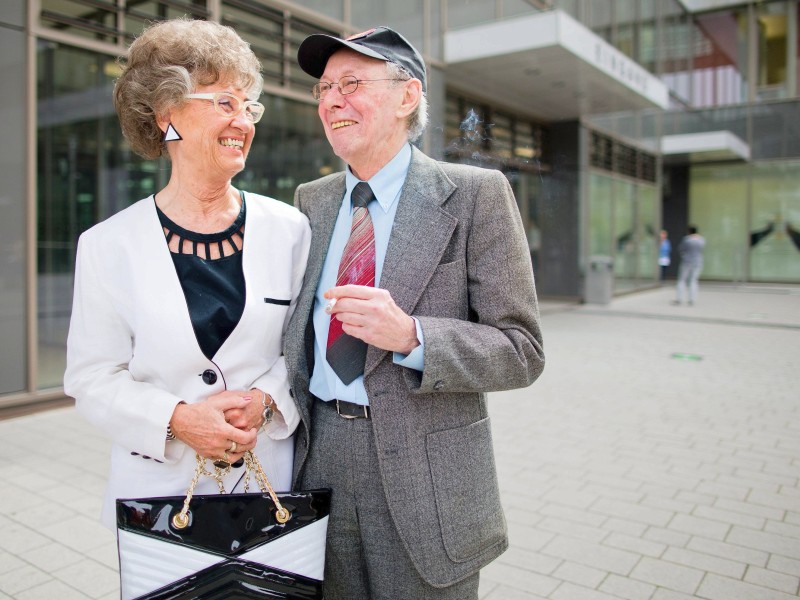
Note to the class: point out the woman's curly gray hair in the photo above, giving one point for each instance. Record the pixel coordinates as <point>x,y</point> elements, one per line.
<point>169,60</point>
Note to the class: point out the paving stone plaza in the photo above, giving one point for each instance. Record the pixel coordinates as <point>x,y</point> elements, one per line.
<point>657,458</point>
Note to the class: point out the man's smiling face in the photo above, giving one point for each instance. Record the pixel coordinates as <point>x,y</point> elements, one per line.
<point>364,128</point>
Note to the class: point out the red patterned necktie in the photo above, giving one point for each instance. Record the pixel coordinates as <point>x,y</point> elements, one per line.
<point>346,354</point>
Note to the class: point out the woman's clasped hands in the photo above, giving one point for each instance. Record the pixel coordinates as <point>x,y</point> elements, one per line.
<point>223,427</point>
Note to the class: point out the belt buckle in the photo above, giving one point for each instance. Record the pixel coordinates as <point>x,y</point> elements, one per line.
<point>339,412</point>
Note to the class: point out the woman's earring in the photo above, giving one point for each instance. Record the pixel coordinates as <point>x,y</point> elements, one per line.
<point>171,134</point>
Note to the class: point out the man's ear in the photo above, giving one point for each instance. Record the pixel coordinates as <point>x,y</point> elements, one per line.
<point>411,98</point>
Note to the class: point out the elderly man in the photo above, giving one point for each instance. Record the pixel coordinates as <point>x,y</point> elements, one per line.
<point>418,299</point>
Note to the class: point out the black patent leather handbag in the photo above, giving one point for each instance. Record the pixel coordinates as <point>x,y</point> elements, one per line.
<point>223,546</point>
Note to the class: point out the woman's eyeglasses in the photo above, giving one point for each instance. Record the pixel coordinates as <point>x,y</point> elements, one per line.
<point>230,106</point>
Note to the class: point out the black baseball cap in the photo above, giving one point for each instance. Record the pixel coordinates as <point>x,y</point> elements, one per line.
<point>380,42</point>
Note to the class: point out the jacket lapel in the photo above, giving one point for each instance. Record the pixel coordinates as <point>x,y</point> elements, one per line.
<point>321,205</point>
<point>322,219</point>
<point>162,280</point>
<point>420,234</point>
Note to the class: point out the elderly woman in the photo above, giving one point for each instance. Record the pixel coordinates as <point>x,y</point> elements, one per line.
<point>182,299</point>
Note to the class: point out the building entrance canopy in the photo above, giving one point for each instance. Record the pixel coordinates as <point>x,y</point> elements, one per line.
<point>709,146</point>
<point>549,66</point>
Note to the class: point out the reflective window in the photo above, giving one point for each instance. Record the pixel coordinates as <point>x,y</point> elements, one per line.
<point>14,209</point>
<point>514,8</point>
<point>601,213</point>
<point>477,134</point>
<point>405,17</point>
<point>296,77</point>
<point>775,222</point>
<point>98,21</point>
<point>140,13</point>
<point>330,8</point>
<point>571,7</point>
<point>647,232</point>
<point>774,129</point>
<point>615,156</point>
<point>720,58</point>
<point>435,48</point>
<point>624,235</point>
<point>718,208</point>
<point>76,18</point>
<point>675,52</point>
<point>772,49</point>
<point>623,211</point>
<point>626,27</point>
<point>465,13</point>
<point>529,192</point>
<point>262,28</point>
<point>274,38</point>
<point>501,133</point>
<point>601,18</point>
<point>797,54</point>
<point>85,174</point>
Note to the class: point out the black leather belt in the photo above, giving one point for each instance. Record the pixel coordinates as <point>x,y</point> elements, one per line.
<point>350,410</point>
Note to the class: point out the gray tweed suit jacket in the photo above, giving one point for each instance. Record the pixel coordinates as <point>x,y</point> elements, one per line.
<point>457,260</point>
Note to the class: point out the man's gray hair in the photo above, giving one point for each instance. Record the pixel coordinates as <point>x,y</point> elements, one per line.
<point>418,120</point>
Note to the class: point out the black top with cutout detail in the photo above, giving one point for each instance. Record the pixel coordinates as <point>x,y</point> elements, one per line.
<point>214,288</point>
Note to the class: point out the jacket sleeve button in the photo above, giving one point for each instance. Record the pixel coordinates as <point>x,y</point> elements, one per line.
<point>209,377</point>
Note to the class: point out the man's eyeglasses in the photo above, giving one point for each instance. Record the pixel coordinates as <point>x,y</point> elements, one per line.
<point>230,106</point>
<point>347,85</point>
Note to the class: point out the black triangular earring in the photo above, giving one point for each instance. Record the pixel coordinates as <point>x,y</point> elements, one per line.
<point>171,134</point>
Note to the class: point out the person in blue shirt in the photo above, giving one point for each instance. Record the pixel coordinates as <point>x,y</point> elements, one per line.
<point>664,253</point>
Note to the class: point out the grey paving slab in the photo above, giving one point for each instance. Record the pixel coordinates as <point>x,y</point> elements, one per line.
<point>657,458</point>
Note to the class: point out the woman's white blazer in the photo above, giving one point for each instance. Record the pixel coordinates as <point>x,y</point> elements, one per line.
<point>132,354</point>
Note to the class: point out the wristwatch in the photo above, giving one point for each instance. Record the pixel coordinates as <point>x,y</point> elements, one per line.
<point>267,413</point>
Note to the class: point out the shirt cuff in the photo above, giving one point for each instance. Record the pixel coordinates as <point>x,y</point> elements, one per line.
<point>416,358</point>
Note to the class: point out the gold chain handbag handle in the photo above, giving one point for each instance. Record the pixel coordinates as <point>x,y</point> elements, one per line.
<point>252,466</point>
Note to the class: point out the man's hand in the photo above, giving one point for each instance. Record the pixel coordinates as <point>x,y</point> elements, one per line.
<point>370,314</point>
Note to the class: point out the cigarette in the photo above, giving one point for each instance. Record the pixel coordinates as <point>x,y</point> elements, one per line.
<point>329,306</point>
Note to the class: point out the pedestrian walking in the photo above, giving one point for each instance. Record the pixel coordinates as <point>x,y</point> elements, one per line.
<point>691,252</point>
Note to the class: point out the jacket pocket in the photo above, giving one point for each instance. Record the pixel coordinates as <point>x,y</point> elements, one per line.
<point>278,301</point>
<point>466,490</point>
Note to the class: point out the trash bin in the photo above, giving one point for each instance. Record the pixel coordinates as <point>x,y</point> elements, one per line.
<point>599,280</point>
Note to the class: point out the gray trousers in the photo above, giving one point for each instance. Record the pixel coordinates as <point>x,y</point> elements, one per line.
<point>365,559</point>
<point>688,278</point>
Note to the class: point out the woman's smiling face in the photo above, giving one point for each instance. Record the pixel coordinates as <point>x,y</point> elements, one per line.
<point>212,144</point>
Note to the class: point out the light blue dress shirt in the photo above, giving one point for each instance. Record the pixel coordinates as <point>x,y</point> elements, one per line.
<point>386,184</point>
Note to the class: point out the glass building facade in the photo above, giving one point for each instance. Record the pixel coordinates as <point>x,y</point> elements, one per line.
<point>592,175</point>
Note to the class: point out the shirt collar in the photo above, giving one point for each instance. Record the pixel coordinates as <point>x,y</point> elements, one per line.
<point>386,183</point>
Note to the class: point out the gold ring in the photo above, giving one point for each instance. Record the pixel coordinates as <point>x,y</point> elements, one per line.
<point>233,447</point>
